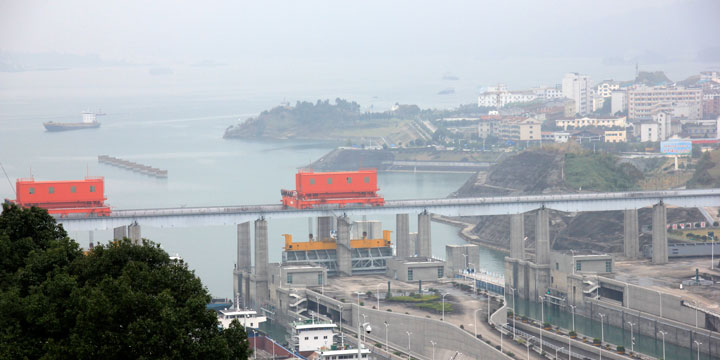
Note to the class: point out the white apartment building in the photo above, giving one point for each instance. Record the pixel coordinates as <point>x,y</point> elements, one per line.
<point>548,93</point>
<point>657,129</point>
<point>618,101</point>
<point>502,97</point>
<point>649,132</point>
<point>577,87</point>
<point>606,88</point>
<point>644,102</point>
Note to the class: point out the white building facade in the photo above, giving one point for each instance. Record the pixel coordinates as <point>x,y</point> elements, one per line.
<point>577,87</point>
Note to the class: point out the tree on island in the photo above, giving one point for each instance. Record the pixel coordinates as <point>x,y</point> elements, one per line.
<point>118,301</point>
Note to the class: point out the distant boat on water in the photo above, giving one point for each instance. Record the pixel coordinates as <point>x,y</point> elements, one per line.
<point>89,121</point>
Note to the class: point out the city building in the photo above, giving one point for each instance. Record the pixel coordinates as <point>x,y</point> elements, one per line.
<point>561,136</point>
<point>519,130</point>
<point>711,103</point>
<point>618,102</point>
<point>500,97</point>
<point>606,88</point>
<point>312,335</point>
<point>644,102</point>
<point>415,268</point>
<point>577,87</point>
<point>594,122</point>
<point>548,93</point>
<point>648,131</point>
<point>615,136</point>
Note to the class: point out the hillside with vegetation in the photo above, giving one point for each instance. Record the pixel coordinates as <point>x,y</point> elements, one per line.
<point>707,172</point>
<point>564,169</point>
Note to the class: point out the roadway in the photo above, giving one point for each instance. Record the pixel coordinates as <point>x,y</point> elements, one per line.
<point>481,206</point>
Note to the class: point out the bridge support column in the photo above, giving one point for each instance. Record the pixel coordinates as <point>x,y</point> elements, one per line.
<point>402,236</point>
<point>120,233</point>
<point>659,234</point>
<point>632,234</point>
<point>134,232</point>
<point>261,262</point>
<point>325,224</point>
<point>517,236</point>
<point>243,264</point>
<point>424,243</point>
<point>542,237</point>
<point>344,252</point>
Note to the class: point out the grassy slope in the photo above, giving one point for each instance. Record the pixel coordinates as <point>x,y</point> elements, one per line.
<point>599,172</point>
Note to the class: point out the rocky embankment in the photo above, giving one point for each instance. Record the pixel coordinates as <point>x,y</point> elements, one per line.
<point>541,172</point>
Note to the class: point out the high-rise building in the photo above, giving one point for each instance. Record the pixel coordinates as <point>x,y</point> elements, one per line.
<point>644,102</point>
<point>577,87</point>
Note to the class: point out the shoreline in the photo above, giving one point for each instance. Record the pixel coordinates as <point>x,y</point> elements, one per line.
<point>464,232</point>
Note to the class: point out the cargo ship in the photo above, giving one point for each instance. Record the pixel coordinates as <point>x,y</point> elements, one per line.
<point>89,122</point>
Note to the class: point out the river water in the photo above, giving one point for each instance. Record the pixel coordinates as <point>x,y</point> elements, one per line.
<point>184,136</point>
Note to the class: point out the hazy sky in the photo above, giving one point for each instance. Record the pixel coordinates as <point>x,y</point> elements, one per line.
<point>169,32</point>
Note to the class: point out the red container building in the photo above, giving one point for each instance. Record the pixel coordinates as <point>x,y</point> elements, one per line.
<point>333,188</point>
<point>64,197</point>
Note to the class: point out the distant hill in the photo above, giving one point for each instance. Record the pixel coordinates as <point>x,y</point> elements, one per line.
<point>652,78</point>
<point>707,172</point>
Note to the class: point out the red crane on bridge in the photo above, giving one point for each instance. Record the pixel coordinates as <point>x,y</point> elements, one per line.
<point>333,188</point>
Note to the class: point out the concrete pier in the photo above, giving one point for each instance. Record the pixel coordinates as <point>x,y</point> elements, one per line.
<point>402,236</point>
<point>261,261</point>
<point>243,247</point>
<point>542,237</point>
<point>325,225</point>
<point>517,236</point>
<point>632,235</point>
<point>344,252</point>
<point>134,233</point>
<point>424,248</point>
<point>120,233</point>
<point>659,234</point>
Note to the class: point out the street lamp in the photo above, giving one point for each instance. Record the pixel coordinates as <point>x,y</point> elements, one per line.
<point>443,306</point>
<point>556,351</point>
<point>342,339</point>
<point>542,320</point>
<point>377,292</point>
<point>512,289</point>
<point>475,320</point>
<point>663,337</point>
<point>602,328</point>
<point>433,345</point>
<point>569,348</point>
<point>488,298</point>
<point>696,312</point>
<point>573,316</point>
<point>528,347</point>
<point>364,322</point>
<point>387,344</point>
<point>254,344</point>
<point>408,333</point>
<point>317,300</point>
<point>698,347</point>
<point>632,338</point>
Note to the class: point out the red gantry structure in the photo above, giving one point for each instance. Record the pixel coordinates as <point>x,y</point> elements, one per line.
<point>322,189</point>
<point>64,197</point>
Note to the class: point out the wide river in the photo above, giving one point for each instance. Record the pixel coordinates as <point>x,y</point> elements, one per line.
<point>185,137</point>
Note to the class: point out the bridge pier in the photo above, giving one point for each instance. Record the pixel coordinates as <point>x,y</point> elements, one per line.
<point>659,234</point>
<point>632,238</point>
<point>517,236</point>
<point>424,242</point>
<point>402,236</point>
<point>542,237</point>
<point>344,252</point>
<point>262,293</point>
<point>120,233</point>
<point>325,225</point>
<point>243,263</point>
<point>134,232</point>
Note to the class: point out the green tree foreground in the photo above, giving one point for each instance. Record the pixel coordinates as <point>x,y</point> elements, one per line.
<point>120,301</point>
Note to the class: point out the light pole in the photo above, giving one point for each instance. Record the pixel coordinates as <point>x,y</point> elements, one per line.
<point>501,342</point>
<point>488,298</point>
<point>528,347</point>
<point>433,345</point>
<point>602,329</point>
<point>556,351</point>
<point>512,289</point>
<point>364,322</point>
<point>573,316</point>
<point>465,267</point>
<point>696,312</point>
<point>663,337</point>
<point>569,348</point>
<point>317,300</point>
<point>342,339</point>
<point>632,338</point>
<point>387,344</point>
<point>359,329</point>
<point>377,292</point>
<point>475,320</point>
<point>542,320</point>
<point>698,347</point>
<point>660,296</point>
<point>254,344</point>
<point>443,306</point>
<point>409,333</point>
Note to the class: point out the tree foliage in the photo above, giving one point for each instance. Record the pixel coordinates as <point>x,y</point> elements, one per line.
<point>119,301</point>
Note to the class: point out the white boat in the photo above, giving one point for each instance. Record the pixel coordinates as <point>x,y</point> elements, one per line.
<point>249,319</point>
